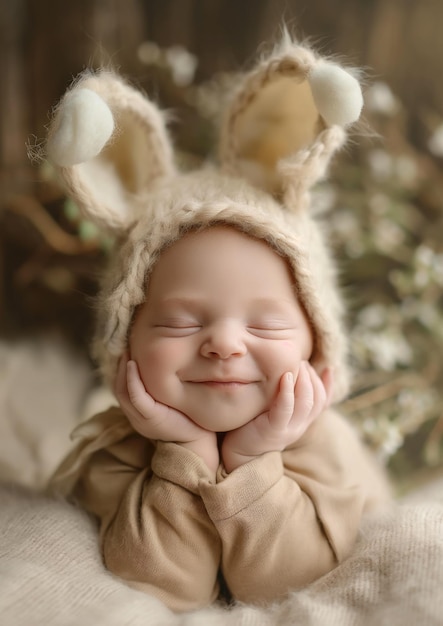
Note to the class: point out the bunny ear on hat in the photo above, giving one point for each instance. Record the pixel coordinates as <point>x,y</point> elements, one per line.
<point>109,144</point>
<point>286,119</point>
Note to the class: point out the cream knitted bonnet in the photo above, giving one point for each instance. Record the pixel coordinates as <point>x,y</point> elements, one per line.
<point>110,146</point>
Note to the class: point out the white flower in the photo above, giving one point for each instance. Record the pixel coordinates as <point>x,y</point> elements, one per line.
<point>380,99</point>
<point>387,235</point>
<point>429,266</point>
<point>392,441</point>
<point>384,434</point>
<point>380,164</point>
<point>373,316</point>
<point>424,255</point>
<point>385,350</point>
<point>182,64</point>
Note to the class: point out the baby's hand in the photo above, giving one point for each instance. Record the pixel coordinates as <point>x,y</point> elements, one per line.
<point>158,421</point>
<point>292,412</point>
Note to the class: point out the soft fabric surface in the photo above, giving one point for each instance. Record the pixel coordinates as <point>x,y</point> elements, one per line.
<point>51,573</point>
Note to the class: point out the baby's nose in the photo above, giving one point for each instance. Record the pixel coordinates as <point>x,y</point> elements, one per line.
<point>223,340</point>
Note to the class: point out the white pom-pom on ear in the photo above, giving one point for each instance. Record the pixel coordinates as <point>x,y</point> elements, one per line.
<point>336,94</point>
<point>83,124</point>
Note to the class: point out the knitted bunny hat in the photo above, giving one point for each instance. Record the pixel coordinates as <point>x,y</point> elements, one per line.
<point>287,117</point>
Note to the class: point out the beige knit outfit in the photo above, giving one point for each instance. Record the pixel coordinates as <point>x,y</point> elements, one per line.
<point>283,519</point>
<point>272,525</point>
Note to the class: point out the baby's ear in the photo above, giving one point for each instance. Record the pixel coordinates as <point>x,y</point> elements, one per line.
<point>286,120</point>
<point>109,144</point>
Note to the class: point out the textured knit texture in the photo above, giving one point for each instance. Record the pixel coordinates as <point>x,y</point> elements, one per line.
<point>51,574</point>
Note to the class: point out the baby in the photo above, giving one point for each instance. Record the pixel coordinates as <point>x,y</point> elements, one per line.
<point>220,331</point>
<point>221,338</point>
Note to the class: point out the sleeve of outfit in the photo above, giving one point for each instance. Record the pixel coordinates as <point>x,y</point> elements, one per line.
<point>272,525</point>
<point>154,530</point>
<point>285,519</point>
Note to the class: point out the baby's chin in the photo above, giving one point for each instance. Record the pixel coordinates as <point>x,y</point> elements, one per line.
<point>223,423</point>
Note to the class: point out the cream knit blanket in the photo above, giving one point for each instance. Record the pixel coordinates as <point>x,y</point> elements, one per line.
<point>51,573</point>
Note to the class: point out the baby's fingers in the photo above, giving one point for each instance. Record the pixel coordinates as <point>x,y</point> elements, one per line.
<point>328,382</point>
<point>321,389</point>
<point>304,392</point>
<point>121,388</point>
<point>312,394</point>
<point>163,420</point>
<point>283,407</point>
<point>137,394</point>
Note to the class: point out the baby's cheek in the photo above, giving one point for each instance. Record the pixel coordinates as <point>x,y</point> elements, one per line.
<point>155,363</point>
<point>288,356</point>
<point>283,357</point>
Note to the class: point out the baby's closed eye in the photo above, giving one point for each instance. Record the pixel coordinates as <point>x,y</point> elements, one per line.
<point>270,328</point>
<point>178,325</point>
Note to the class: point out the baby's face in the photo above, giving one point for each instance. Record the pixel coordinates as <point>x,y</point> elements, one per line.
<point>220,325</point>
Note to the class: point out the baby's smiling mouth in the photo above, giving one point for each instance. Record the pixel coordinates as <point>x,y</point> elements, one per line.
<point>223,383</point>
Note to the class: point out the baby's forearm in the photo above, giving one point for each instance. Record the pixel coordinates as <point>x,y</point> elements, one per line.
<point>161,539</point>
<point>302,506</point>
<point>259,506</point>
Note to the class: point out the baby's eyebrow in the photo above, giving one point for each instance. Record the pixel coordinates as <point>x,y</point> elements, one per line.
<point>271,303</point>
<point>261,301</point>
<point>181,301</point>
